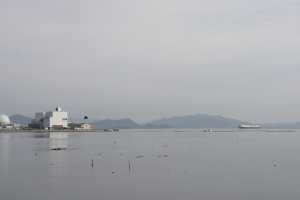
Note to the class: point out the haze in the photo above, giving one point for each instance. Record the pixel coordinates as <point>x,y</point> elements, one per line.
<point>146,60</point>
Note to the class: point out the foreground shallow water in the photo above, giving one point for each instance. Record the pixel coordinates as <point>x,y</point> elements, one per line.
<point>175,165</point>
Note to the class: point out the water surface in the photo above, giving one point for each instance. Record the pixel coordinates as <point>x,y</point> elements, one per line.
<point>169,165</point>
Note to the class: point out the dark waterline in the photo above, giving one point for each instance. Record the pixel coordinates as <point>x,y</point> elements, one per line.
<point>229,164</point>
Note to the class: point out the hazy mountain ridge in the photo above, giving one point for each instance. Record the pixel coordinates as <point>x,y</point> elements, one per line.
<point>297,125</point>
<point>157,126</point>
<point>200,121</point>
<point>20,119</point>
<point>121,123</point>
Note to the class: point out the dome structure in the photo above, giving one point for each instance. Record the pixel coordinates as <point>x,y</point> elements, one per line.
<point>4,120</point>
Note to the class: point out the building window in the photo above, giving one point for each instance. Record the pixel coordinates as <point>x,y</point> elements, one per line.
<point>65,119</point>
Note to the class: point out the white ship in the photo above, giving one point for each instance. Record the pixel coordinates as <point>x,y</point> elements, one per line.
<point>249,126</point>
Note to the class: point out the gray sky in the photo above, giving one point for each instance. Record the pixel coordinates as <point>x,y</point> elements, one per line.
<point>151,59</point>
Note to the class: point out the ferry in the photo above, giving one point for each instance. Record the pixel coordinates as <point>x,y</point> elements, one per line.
<point>249,126</point>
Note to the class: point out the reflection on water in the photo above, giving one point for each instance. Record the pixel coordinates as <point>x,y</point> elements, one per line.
<point>186,164</point>
<point>41,135</point>
<point>58,140</point>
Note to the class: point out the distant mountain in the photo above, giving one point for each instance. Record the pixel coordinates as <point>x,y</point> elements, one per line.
<point>121,123</point>
<point>297,125</point>
<point>200,121</point>
<point>20,119</point>
<point>157,126</point>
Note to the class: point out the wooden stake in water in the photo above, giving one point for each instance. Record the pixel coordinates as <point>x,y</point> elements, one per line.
<point>92,163</point>
<point>129,165</point>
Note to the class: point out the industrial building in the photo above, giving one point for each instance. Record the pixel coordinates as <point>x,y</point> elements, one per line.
<point>6,124</point>
<point>4,120</point>
<point>50,120</point>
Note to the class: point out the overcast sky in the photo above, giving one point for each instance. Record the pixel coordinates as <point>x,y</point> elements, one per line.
<point>146,60</point>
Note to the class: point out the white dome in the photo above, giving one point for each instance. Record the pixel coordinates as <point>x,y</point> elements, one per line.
<point>4,120</point>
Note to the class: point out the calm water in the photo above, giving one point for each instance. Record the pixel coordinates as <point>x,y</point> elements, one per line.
<point>167,165</point>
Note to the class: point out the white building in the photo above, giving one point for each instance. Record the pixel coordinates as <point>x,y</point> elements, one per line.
<point>84,127</point>
<point>5,123</point>
<point>4,120</point>
<point>80,126</point>
<point>50,120</point>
